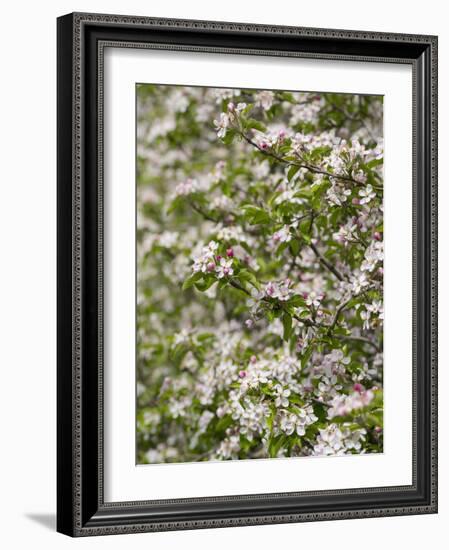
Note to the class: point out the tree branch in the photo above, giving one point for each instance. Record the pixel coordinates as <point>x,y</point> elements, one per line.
<point>326,263</point>
<point>361,339</point>
<point>202,212</point>
<point>337,314</point>
<point>310,167</point>
<point>239,287</point>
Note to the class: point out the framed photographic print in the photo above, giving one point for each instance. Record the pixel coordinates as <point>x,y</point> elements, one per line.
<point>247,274</point>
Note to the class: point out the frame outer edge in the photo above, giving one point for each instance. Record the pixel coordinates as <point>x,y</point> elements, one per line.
<point>65,371</point>
<point>69,422</point>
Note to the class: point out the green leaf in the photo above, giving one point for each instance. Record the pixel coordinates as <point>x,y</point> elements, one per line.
<point>206,284</point>
<point>255,124</point>
<point>192,280</point>
<point>222,283</point>
<point>287,324</point>
<point>246,276</point>
<point>229,137</point>
<point>178,353</point>
<point>287,96</point>
<point>306,356</point>
<point>292,171</point>
<point>281,248</point>
<point>295,246</point>
<point>205,336</point>
<point>375,162</point>
<point>275,444</point>
<point>255,215</point>
<point>297,301</point>
<point>176,203</point>
<point>270,419</point>
<point>223,423</point>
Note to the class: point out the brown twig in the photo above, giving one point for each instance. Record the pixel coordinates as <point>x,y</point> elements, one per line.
<point>361,339</point>
<point>337,315</point>
<point>310,167</point>
<point>326,263</point>
<point>203,213</point>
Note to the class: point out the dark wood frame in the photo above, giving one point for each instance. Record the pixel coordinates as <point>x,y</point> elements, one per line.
<point>81,509</point>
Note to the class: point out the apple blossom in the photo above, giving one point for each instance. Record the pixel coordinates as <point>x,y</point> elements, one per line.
<point>259,274</point>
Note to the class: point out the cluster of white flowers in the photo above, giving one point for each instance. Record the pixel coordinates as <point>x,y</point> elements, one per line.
<point>337,194</point>
<point>303,143</point>
<point>283,235</point>
<point>222,202</point>
<point>282,395</point>
<point>226,119</point>
<point>258,337</point>
<point>233,233</point>
<point>347,233</point>
<point>359,282</point>
<point>281,290</point>
<point>338,440</point>
<point>297,421</point>
<point>252,418</point>
<point>271,138</point>
<point>307,111</point>
<point>342,405</point>
<point>224,94</point>
<point>367,194</point>
<point>375,309</point>
<point>374,255</point>
<point>229,447</point>
<point>179,406</point>
<point>264,99</point>
<point>190,186</point>
<point>313,299</point>
<point>224,268</point>
<point>205,261</point>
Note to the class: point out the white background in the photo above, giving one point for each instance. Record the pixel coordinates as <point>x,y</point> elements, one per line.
<point>123,480</point>
<point>28,289</point>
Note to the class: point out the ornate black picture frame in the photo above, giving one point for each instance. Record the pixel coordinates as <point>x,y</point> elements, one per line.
<point>81,510</point>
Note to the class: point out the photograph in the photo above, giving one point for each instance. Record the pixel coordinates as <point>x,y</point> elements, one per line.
<point>259,274</point>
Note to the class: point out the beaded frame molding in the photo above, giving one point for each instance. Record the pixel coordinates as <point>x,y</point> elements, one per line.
<point>82,37</point>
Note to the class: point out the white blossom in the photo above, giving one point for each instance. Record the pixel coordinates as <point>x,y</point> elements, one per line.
<point>367,194</point>
<point>222,124</point>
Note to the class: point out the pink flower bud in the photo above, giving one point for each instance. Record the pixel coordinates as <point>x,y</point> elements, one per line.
<point>242,374</point>
<point>358,387</point>
<point>231,107</point>
<point>377,429</point>
<point>218,258</point>
<point>263,145</point>
<point>253,359</point>
<point>230,253</point>
<point>211,266</point>
<point>377,236</point>
<point>355,201</point>
<point>305,295</point>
